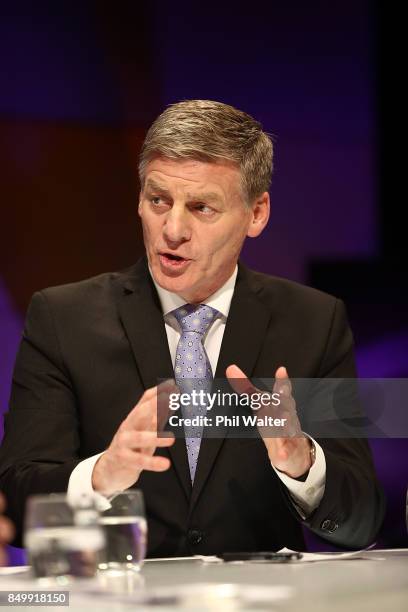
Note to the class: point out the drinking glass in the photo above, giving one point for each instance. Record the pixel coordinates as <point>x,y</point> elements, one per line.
<point>62,540</point>
<point>125,529</point>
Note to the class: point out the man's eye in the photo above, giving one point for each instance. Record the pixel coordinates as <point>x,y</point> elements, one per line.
<point>156,200</point>
<point>204,209</point>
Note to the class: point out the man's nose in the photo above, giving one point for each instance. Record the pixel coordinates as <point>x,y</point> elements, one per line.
<point>176,226</point>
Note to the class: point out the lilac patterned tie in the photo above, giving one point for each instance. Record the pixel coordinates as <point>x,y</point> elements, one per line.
<point>192,368</point>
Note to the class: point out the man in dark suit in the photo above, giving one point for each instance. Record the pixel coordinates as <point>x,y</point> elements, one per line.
<point>83,411</point>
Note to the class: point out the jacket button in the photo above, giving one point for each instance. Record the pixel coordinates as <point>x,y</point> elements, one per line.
<point>195,536</point>
<point>329,526</point>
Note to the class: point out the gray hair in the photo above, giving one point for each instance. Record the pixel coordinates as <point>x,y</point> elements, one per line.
<point>210,131</point>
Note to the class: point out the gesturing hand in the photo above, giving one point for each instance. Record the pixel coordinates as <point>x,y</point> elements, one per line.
<point>133,445</point>
<point>291,452</point>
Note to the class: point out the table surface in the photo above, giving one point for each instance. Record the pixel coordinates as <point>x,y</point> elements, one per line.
<point>377,581</point>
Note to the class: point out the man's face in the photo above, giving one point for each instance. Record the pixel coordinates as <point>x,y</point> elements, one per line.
<point>194,224</point>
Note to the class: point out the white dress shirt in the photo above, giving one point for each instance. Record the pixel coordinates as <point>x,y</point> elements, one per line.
<point>306,495</point>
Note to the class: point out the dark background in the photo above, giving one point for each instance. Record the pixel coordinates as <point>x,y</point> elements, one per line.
<point>80,84</point>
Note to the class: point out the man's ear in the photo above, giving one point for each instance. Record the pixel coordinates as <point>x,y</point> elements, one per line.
<point>139,207</point>
<point>260,210</point>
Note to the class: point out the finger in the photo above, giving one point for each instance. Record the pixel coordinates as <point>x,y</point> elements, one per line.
<point>282,382</point>
<point>281,372</point>
<point>154,413</point>
<point>141,416</point>
<point>143,439</point>
<point>163,407</point>
<point>147,395</point>
<point>155,463</point>
<point>144,416</point>
<point>152,407</point>
<point>137,460</point>
<point>167,386</point>
<point>164,390</point>
<point>239,381</point>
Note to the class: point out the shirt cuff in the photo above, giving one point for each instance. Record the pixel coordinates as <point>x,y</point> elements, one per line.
<point>307,495</point>
<point>80,484</point>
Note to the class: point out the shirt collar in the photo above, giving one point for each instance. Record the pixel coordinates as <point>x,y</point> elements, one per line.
<point>220,300</point>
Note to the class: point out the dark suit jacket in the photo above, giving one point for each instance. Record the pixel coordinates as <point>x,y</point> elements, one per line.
<point>90,349</point>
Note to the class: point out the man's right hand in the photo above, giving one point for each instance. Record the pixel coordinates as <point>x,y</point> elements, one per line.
<point>133,445</point>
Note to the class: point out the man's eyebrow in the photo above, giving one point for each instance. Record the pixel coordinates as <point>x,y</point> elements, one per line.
<point>208,196</point>
<point>151,184</point>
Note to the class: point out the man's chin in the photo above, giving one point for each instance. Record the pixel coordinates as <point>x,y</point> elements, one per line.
<point>174,281</point>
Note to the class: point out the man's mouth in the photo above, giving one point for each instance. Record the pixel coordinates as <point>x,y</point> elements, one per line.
<point>173,261</point>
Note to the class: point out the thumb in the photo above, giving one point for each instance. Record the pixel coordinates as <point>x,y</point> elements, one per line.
<point>281,372</point>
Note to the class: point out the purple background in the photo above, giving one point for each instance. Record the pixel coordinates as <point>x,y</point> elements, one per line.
<point>310,72</point>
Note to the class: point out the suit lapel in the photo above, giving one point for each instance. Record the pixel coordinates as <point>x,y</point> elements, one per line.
<point>244,334</point>
<point>247,323</point>
<point>142,318</point>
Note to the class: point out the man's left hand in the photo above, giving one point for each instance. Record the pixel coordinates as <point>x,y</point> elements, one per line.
<point>289,454</point>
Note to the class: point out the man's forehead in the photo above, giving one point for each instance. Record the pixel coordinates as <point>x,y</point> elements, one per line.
<point>194,175</point>
<point>189,166</point>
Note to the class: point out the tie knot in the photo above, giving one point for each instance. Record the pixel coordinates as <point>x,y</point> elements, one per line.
<point>194,318</point>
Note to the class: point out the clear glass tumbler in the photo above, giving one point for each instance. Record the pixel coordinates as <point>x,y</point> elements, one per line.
<point>125,528</point>
<point>62,540</point>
